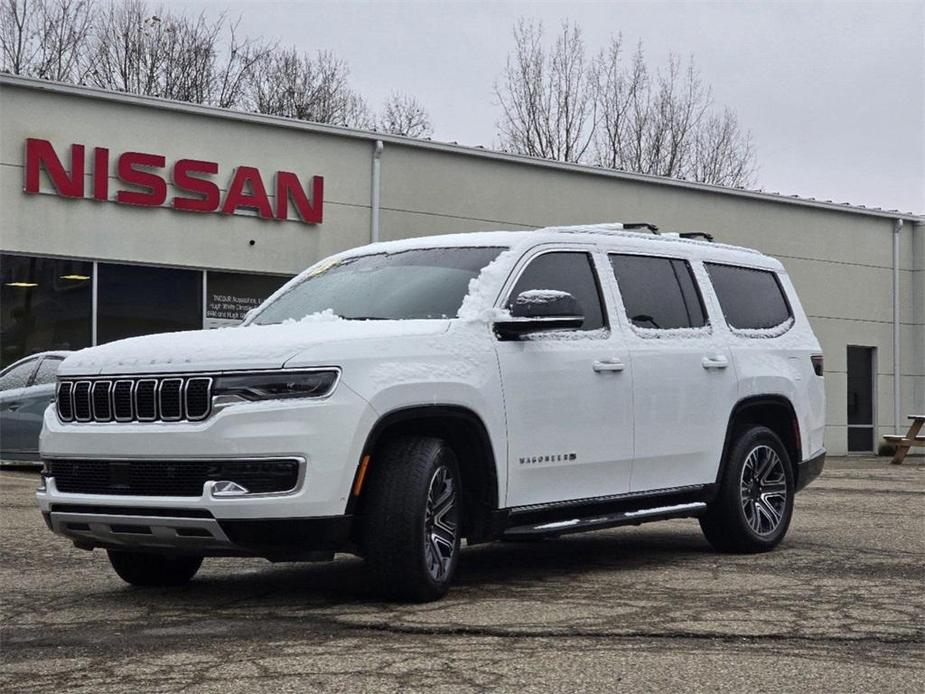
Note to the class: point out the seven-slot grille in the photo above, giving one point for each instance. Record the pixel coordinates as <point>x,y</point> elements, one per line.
<point>144,399</point>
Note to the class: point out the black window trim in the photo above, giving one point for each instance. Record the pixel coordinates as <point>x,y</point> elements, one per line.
<point>780,287</point>
<point>524,262</point>
<point>706,328</point>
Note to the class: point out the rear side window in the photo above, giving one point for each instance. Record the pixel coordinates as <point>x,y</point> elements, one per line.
<point>658,292</point>
<point>566,271</point>
<point>751,299</point>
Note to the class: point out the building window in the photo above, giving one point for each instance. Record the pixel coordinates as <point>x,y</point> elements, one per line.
<point>139,300</point>
<point>230,295</point>
<point>45,303</point>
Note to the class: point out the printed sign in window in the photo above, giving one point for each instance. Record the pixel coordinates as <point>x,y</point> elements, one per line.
<point>231,295</point>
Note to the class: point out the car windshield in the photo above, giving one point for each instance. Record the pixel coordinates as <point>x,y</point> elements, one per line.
<point>412,284</point>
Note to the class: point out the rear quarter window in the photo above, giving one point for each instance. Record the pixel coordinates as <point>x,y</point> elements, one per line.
<point>751,299</point>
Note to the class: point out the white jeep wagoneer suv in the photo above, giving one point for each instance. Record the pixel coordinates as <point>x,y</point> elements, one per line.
<point>394,399</point>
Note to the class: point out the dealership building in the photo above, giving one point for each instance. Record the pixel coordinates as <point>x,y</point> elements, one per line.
<point>122,215</point>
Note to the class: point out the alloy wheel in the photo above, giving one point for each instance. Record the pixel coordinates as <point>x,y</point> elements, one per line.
<point>440,523</point>
<point>763,490</point>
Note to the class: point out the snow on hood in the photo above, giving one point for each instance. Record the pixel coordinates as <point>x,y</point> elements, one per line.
<point>250,347</point>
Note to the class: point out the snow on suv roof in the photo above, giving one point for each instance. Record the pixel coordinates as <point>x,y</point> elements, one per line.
<point>596,232</point>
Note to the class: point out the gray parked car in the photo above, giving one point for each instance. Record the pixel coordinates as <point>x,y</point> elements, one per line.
<point>26,388</point>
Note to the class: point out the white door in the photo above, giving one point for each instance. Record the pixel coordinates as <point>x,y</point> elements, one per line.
<point>568,394</point>
<point>683,376</point>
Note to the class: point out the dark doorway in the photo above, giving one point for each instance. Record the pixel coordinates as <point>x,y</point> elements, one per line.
<point>861,373</point>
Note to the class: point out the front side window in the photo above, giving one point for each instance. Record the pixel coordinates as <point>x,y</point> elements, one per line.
<point>751,299</point>
<point>565,271</point>
<point>658,293</point>
<point>17,376</point>
<point>414,284</point>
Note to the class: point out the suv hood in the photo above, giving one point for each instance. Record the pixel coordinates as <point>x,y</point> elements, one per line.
<point>237,348</point>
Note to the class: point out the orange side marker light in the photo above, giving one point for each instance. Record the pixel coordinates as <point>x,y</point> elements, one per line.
<point>361,475</point>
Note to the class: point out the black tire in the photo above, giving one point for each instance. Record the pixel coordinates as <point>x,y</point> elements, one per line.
<point>410,543</point>
<point>141,569</point>
<point>752,512</point>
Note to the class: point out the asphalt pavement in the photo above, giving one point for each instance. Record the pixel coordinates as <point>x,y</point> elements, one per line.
<point>838,607</point>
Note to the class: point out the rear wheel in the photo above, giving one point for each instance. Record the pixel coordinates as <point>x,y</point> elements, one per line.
<point>412,518</point>
<point>142,569</point>
<point>755,502</point>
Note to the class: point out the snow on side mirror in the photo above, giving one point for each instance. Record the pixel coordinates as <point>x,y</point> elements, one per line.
<point>539,310</point>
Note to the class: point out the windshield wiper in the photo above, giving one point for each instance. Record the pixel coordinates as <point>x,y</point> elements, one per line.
<point>364,318</point>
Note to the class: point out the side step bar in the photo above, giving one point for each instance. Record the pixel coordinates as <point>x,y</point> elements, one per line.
<point>609,520</point>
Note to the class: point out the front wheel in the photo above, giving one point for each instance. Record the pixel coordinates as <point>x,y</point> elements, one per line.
<point>752,511</point>
<point>142,569</point>
<point>411,518</point>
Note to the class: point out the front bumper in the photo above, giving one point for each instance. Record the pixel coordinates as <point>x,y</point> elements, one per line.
<point>326,437</point>
<point>198,533</point>
<point>810,469</point>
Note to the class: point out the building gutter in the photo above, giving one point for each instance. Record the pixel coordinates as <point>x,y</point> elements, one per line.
<point>374,202</point>
<point>897,370</point>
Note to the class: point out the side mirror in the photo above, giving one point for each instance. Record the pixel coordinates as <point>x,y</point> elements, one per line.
<point>539,310</point>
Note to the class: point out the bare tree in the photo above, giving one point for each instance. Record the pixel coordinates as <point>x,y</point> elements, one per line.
<point>146,50</point>
<point>45,38</point>
<point>230,78</point>
<point>307,87</point>
<point>723,153</point>
<point>547,105</point>
<point>404,115</point>
<point>132,46</point>
<point>666,126</point>
<point>616,112</point>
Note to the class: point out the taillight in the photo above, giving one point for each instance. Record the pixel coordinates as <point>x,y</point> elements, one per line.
<point>817,363</point>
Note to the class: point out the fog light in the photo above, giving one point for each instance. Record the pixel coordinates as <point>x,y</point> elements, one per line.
<point>228,488</point>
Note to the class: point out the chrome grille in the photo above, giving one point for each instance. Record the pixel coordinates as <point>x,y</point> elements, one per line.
<point>102,404</point>
<point>82,408</point>
<point>147,399</point>
<point>65,404</point>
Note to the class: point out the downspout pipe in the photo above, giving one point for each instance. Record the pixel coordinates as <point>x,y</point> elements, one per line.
<point>374,204</point>
<point>897,370</point>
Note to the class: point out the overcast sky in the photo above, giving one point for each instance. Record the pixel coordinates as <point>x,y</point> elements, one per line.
<point>833,92</point>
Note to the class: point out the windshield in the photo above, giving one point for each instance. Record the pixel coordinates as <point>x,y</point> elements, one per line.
<point>418,283</point>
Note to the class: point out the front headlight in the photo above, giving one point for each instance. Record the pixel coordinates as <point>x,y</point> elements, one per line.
<point>275,385</point>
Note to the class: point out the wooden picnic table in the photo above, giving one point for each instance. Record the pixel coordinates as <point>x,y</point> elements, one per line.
<point>913,437</point>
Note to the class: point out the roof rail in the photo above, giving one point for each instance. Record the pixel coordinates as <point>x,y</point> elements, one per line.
<point>696,235</point>
<point>630,226</point>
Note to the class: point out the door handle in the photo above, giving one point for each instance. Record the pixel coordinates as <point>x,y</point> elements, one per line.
<point>608,365</point>
<point>715,361</point>
<point>13,406</point>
